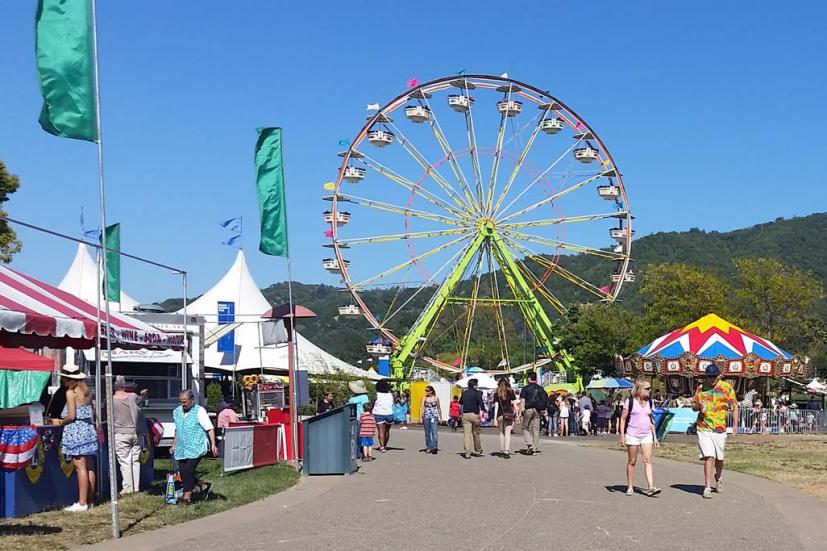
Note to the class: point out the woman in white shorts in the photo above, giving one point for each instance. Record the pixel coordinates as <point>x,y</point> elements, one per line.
<point>637,430</point>
<point>563,405</point>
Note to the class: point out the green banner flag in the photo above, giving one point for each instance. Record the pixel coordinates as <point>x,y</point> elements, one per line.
<point>113,262</point>
<point>272,206</point>
<point>64,61</point>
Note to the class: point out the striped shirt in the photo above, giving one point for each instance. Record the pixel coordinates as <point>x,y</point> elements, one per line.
<point>367,427</point>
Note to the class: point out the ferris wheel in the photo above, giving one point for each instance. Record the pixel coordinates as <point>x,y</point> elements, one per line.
<point>468,214</point>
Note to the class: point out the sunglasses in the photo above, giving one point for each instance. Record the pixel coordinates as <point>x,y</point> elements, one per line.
<point>647,388</point>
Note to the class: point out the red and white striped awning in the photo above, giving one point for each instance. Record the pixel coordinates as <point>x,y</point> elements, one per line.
<point>34,314</point>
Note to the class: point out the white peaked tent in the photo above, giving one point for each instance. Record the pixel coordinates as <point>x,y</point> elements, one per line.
<point>238,287</point>
<point>82,281</point>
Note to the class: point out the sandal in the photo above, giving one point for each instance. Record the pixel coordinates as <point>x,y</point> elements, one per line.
<point>205,489</point>
<point>630,492</point>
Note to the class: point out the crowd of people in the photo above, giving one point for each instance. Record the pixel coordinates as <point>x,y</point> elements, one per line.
<point>629,416</point>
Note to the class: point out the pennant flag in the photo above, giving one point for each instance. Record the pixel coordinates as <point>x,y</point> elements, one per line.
<point>373,107</point>
<point>113,262</point>
<point>461,72</point>
<point>231,241</point>
<point>329,186</point>
<point>458,361</point>
<point>226,223</point>
<point>359,362</point>
<point>579,125</point>
<point>272,206</point>
<point>63,49</point>
<point>344,142</point>
<point>328,233</point>
<point>412,82</point>
<point>605,289</point>
<point>89,234</point>
<point>504,75</point>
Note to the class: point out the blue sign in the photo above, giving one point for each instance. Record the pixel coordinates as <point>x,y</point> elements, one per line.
<point>226,314</point>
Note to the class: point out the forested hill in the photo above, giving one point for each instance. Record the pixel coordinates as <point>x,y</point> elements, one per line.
<point>799,242</point>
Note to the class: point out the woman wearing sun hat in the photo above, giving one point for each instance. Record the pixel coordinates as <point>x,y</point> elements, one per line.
<point>80,437</point>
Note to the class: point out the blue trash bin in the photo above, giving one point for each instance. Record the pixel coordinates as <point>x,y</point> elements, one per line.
<point>330,442</point>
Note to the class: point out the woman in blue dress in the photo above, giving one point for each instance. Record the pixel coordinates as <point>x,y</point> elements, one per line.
<point>80,437</point>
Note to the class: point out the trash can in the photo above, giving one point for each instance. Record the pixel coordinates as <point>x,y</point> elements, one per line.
<point>330,442</point>
<point>662,419</point>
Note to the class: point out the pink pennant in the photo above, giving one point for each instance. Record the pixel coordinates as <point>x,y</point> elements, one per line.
<point>579,125</point>
<point>412,82</point>
<point>605,289</point>
<point>457,362</point>
<point>328,233</point>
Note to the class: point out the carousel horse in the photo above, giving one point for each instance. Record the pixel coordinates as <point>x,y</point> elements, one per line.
<point>749,398</point>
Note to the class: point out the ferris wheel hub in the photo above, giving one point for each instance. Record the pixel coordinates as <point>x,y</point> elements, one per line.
<point>487,226</point>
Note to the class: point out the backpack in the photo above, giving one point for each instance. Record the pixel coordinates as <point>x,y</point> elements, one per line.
<point>629,415</point>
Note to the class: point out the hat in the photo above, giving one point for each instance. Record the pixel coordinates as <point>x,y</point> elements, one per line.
<point>712,370</point>
<point>71,371</point>
<point>357,387</point>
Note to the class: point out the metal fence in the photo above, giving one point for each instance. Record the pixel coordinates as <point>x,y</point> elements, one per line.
<point>773,421</point>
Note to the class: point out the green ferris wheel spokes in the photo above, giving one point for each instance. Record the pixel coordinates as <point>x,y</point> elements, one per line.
<point>487,238</point>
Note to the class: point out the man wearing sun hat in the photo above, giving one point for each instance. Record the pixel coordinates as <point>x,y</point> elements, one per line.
<point>714,401</point>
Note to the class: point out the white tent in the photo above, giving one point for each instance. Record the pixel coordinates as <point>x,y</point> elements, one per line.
<point>239,288</point>
<point>484,381</point>
<point>82,281</point>
<point>817,387</point>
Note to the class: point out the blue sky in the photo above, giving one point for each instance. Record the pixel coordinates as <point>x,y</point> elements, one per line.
<point>714,113</point>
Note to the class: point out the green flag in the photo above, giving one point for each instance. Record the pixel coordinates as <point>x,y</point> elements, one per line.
<point>113,262</point>
<point>64,61</point>
<point>272,206</point>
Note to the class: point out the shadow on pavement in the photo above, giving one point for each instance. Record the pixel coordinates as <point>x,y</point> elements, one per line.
<point>689,488</point>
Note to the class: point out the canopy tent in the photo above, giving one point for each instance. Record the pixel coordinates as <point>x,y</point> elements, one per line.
<point>82,280</point>
<point>817,387</point>
<point>610,383</point>
<point>238,344</point>
<point>688,350</point>
<point>35,314</point>
<point>23,375</point>
<point>483,381</point>
<point>572,388</point>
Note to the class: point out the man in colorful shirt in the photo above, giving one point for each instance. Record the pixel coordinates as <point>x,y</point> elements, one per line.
<point>714,400</point>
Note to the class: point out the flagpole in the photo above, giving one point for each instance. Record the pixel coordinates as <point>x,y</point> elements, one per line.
<point>98,363</point>
<point>113,479</point>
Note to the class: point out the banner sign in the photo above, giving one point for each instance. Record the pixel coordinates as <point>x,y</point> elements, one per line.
<point>226,314</point>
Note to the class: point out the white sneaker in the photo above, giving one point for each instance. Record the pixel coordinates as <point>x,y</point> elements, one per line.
<point>76,508</point>
<point>718,487</point>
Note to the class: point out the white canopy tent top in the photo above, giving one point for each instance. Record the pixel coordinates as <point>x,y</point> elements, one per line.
<point>249,352</point>
<point>82,281</point>
<point>484,381</point>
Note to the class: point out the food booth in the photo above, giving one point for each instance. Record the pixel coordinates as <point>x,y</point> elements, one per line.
<point>35,476</point>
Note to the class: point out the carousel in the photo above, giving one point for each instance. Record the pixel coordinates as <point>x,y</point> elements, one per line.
<point>680,357</point>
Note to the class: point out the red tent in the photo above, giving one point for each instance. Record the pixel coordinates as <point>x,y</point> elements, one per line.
<point>34,314</point>
<point>22,360</point>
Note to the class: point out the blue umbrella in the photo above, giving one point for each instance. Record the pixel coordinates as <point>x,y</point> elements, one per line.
<point>610,382</point>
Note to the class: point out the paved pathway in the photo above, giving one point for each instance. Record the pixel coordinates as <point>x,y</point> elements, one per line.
<point>568,497</point>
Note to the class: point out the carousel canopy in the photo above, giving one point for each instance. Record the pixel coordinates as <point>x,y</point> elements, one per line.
<point>688,350</point>
<point>35,314</point>
<point>712,337</point>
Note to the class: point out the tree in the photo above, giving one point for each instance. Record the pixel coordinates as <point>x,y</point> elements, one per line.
<point>595,333</point>
<point>678,294</point>
<point>9,244</point>
<point>775,300</point>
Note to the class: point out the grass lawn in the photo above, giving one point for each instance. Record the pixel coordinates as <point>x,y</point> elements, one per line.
<point>146,510</point>
<point>795,460</point>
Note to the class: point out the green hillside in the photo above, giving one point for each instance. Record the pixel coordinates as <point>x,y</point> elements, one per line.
<point>798,242</point>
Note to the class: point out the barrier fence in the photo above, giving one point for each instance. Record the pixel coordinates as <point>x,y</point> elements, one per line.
<point>770,421</point>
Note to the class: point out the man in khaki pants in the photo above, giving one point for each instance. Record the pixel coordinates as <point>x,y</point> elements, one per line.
<point>472,403</point>
<point>533,401</point>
